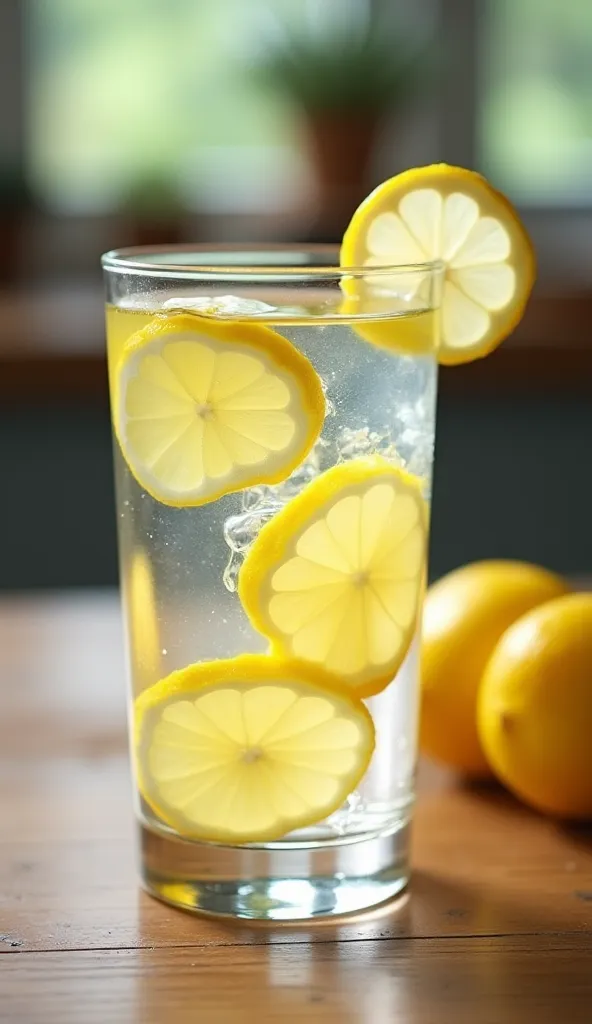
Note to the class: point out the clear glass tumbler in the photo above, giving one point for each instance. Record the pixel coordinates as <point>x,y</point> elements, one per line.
<point>273,419</point>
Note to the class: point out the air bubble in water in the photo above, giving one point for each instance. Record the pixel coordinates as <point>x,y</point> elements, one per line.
<point>239,533</point>
<point>415,440</point>
<point>252,497</point>
<point>231,571</point>
<point>341,821</point>
<point>361,441</point>
<point>329,405</point>
<point>226,305</point>
<point>261,503</point>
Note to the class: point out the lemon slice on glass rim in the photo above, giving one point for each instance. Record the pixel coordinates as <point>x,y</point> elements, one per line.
<point>203,409</point>
<point>248,749</point>
<point>455,216</point>
<point>335,578</point>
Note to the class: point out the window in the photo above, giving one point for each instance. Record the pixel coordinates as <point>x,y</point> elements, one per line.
<point>124,96</point>
<point>128,95</point>
<point>536,120</point>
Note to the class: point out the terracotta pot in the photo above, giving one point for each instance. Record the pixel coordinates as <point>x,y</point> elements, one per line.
<point>341,147</point>
<point>147,230</point>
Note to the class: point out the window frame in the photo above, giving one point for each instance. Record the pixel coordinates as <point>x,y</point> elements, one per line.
<point>446,130</point>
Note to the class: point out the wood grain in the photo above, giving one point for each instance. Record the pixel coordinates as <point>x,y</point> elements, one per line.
<point>497,927</point>
<point>431,981</point>
<point>483,866</point>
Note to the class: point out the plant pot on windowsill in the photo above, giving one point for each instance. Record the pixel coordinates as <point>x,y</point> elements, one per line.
<point>153,211</point>
<point>344,68</point>
<point>154,230</point>
<point>341,145</point>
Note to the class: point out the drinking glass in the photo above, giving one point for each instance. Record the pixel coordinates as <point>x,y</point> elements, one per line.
<point>342,411</point>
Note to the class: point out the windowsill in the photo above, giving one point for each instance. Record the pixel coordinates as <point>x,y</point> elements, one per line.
<point>67,246</point>
<point>52,346</point>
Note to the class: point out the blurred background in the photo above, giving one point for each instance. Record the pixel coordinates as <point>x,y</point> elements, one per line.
<point>142,121</point>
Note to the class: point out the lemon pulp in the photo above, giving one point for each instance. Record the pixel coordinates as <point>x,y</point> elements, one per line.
<point>248,749</point>
<point>336,577</point>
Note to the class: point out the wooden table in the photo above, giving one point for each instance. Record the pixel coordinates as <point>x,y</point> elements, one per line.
<point>497,928</point>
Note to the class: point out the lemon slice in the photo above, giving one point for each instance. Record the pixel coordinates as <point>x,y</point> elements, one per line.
<point>248,749</point>
<point>202,409</point>
<point>453,215</point>
<point>335,578</point>
<point>408,328</point>
<point>142,619</point>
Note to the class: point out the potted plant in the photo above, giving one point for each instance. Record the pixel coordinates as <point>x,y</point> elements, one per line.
<point>345,74</point>
<point>153,204</point>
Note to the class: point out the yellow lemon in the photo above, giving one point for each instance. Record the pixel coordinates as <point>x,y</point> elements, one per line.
<point>248,749</point>
<point>336,577</point>
<point>535,707</point>
<point>410,328</point>
<point>454,216</point>
<point>204,408</point>
<point>142,619</point>
<point>465,614</point>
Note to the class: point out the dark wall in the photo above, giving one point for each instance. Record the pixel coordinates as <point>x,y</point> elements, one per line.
<point>57,517</point>
<point>512,480</point>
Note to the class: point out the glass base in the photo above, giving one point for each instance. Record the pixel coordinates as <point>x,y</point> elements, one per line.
<point>283,881</point>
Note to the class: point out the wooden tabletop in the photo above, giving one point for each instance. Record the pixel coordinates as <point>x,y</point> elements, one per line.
<point>497,928</point>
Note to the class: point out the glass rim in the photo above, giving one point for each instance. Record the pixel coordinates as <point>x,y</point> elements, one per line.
<point>287,260</point>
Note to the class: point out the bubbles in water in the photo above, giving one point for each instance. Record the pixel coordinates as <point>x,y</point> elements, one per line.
<point>239,533</point>
<point>329,405</point>
<point>356,443</point>
<point>415,441</point>
<point>252,497</point>
<point>260,504</point>
<point>137,304</point>
<point>229,305</point>
<point>278,495</point>
<point>341,820</point>
<point>231,571</point>
<point>406,441</point>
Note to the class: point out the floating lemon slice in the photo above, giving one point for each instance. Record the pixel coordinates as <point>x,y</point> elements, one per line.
<point>202,409</point>
<point>248,749</point>
<point>453,215</point>
<point>335,578</point>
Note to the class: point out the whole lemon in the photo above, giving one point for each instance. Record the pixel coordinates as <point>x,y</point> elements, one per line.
<point>535,707</point>
<point>465,614</point>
